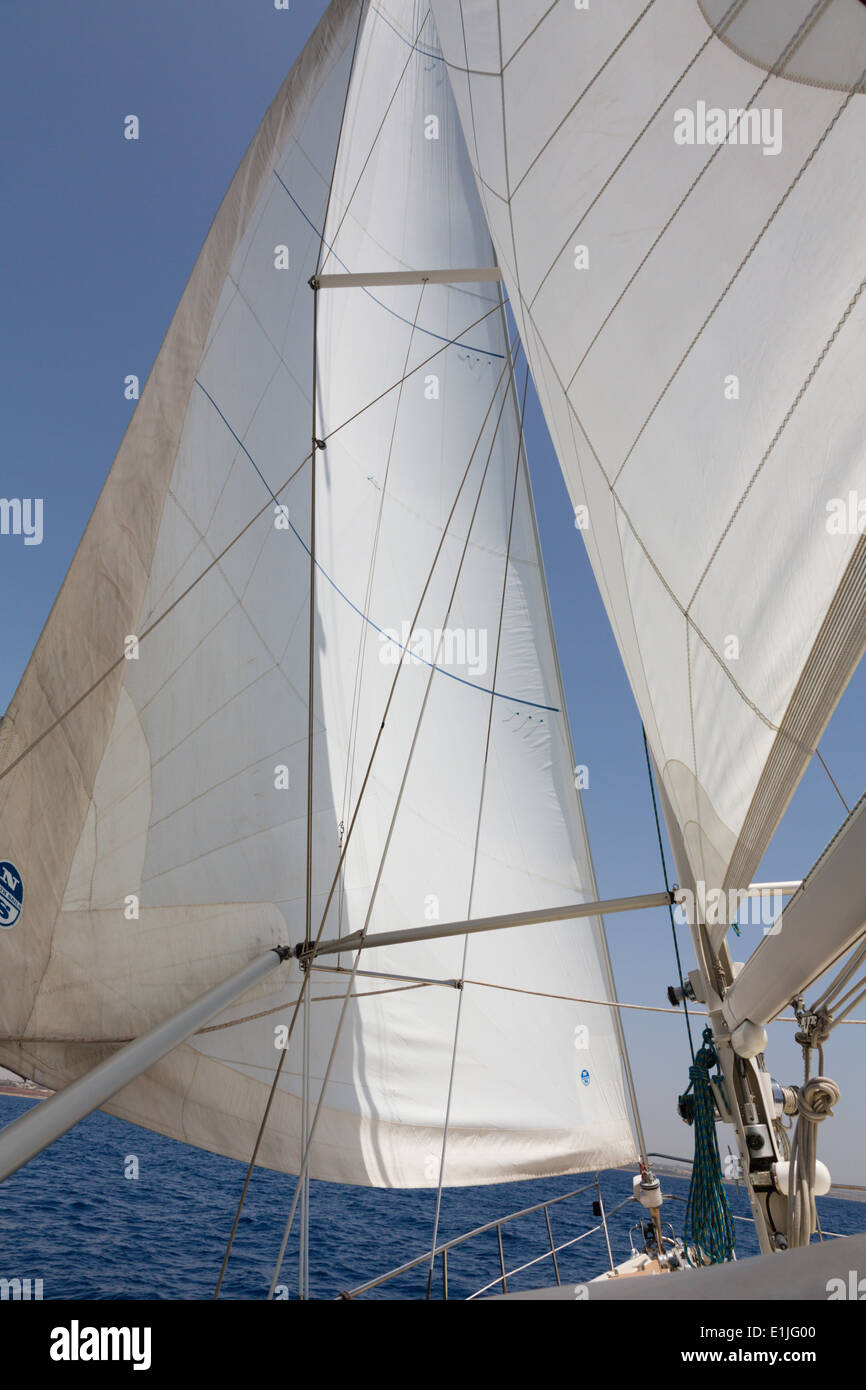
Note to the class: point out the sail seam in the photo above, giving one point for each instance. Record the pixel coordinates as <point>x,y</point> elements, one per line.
<point>765,719</point>
<point>852,303</point>
<point>525,40</point>
<point>735,6</point>
<point>767,224</point>
<point>789,48</point>
<point>598,563</point>
<point>693,625</point>
<point>673,597</point>
<point>239,536</point>
<point>508,190</point>
<point>658,572</point>
<point>591,83</point>
<point>484,186</point>
<point>660,576</point>
<point>494,72</point>
<point>419,660</point>
<point>375,141</point>
<point>817,83</point>
<point>615,624</point>
<point>449,342</point>
<point>507,200</point>
<point>424,52</point>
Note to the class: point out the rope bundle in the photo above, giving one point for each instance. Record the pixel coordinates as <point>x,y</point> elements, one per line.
<point>815,1102</point>
<point>708,1221</point>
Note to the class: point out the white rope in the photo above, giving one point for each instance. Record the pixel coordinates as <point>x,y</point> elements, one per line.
<point>815,1102</point>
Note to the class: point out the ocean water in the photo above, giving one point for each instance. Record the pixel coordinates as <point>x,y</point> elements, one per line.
<point>74,1219</point>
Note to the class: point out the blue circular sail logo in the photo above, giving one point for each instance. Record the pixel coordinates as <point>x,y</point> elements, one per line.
<point>584,1076</point>
<point>11,894</point>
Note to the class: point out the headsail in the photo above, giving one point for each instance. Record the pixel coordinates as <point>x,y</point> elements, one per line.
<point>694,314</point>
<point>181,797</point>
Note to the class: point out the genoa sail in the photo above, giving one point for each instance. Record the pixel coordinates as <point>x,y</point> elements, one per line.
<point>677,210</point>
<point>153,762</point>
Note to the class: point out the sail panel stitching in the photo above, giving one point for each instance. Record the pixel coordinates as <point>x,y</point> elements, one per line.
<point>852,303</point>
<point>782,59</point>
<point>417,659</point>
<point>393,312</point>
<point>692,624</point>
<point>768,223</point>
<point>373,144</point>
<point>737,5</point>
<point>591,83</point>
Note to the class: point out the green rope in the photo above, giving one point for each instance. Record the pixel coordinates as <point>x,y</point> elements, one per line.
<point>708,1224</point>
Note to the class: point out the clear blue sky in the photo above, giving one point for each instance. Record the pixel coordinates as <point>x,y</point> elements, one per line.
<point>98,236</point>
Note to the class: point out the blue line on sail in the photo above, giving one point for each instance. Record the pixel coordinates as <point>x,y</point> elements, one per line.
<point>419,328</point>
<point>483,690</point>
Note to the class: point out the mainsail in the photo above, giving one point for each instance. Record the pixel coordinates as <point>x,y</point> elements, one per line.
<point>678,212</point>
<point>153,761</point>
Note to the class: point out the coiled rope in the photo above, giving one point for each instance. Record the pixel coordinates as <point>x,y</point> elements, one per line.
<point>708,1224</point>
<point>815,1101</point>
<point>818,1094</point>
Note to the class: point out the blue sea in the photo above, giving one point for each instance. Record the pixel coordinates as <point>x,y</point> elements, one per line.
<point>72,1218</point>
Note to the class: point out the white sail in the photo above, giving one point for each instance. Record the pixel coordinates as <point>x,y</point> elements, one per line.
<point>694,317</point>
<point>177,787</point>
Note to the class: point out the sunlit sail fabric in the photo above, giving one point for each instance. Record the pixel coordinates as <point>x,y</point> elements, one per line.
<point>183,796</point>
<point>694,317</point>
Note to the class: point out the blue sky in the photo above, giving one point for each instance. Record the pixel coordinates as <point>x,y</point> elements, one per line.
<point>98,238</point>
